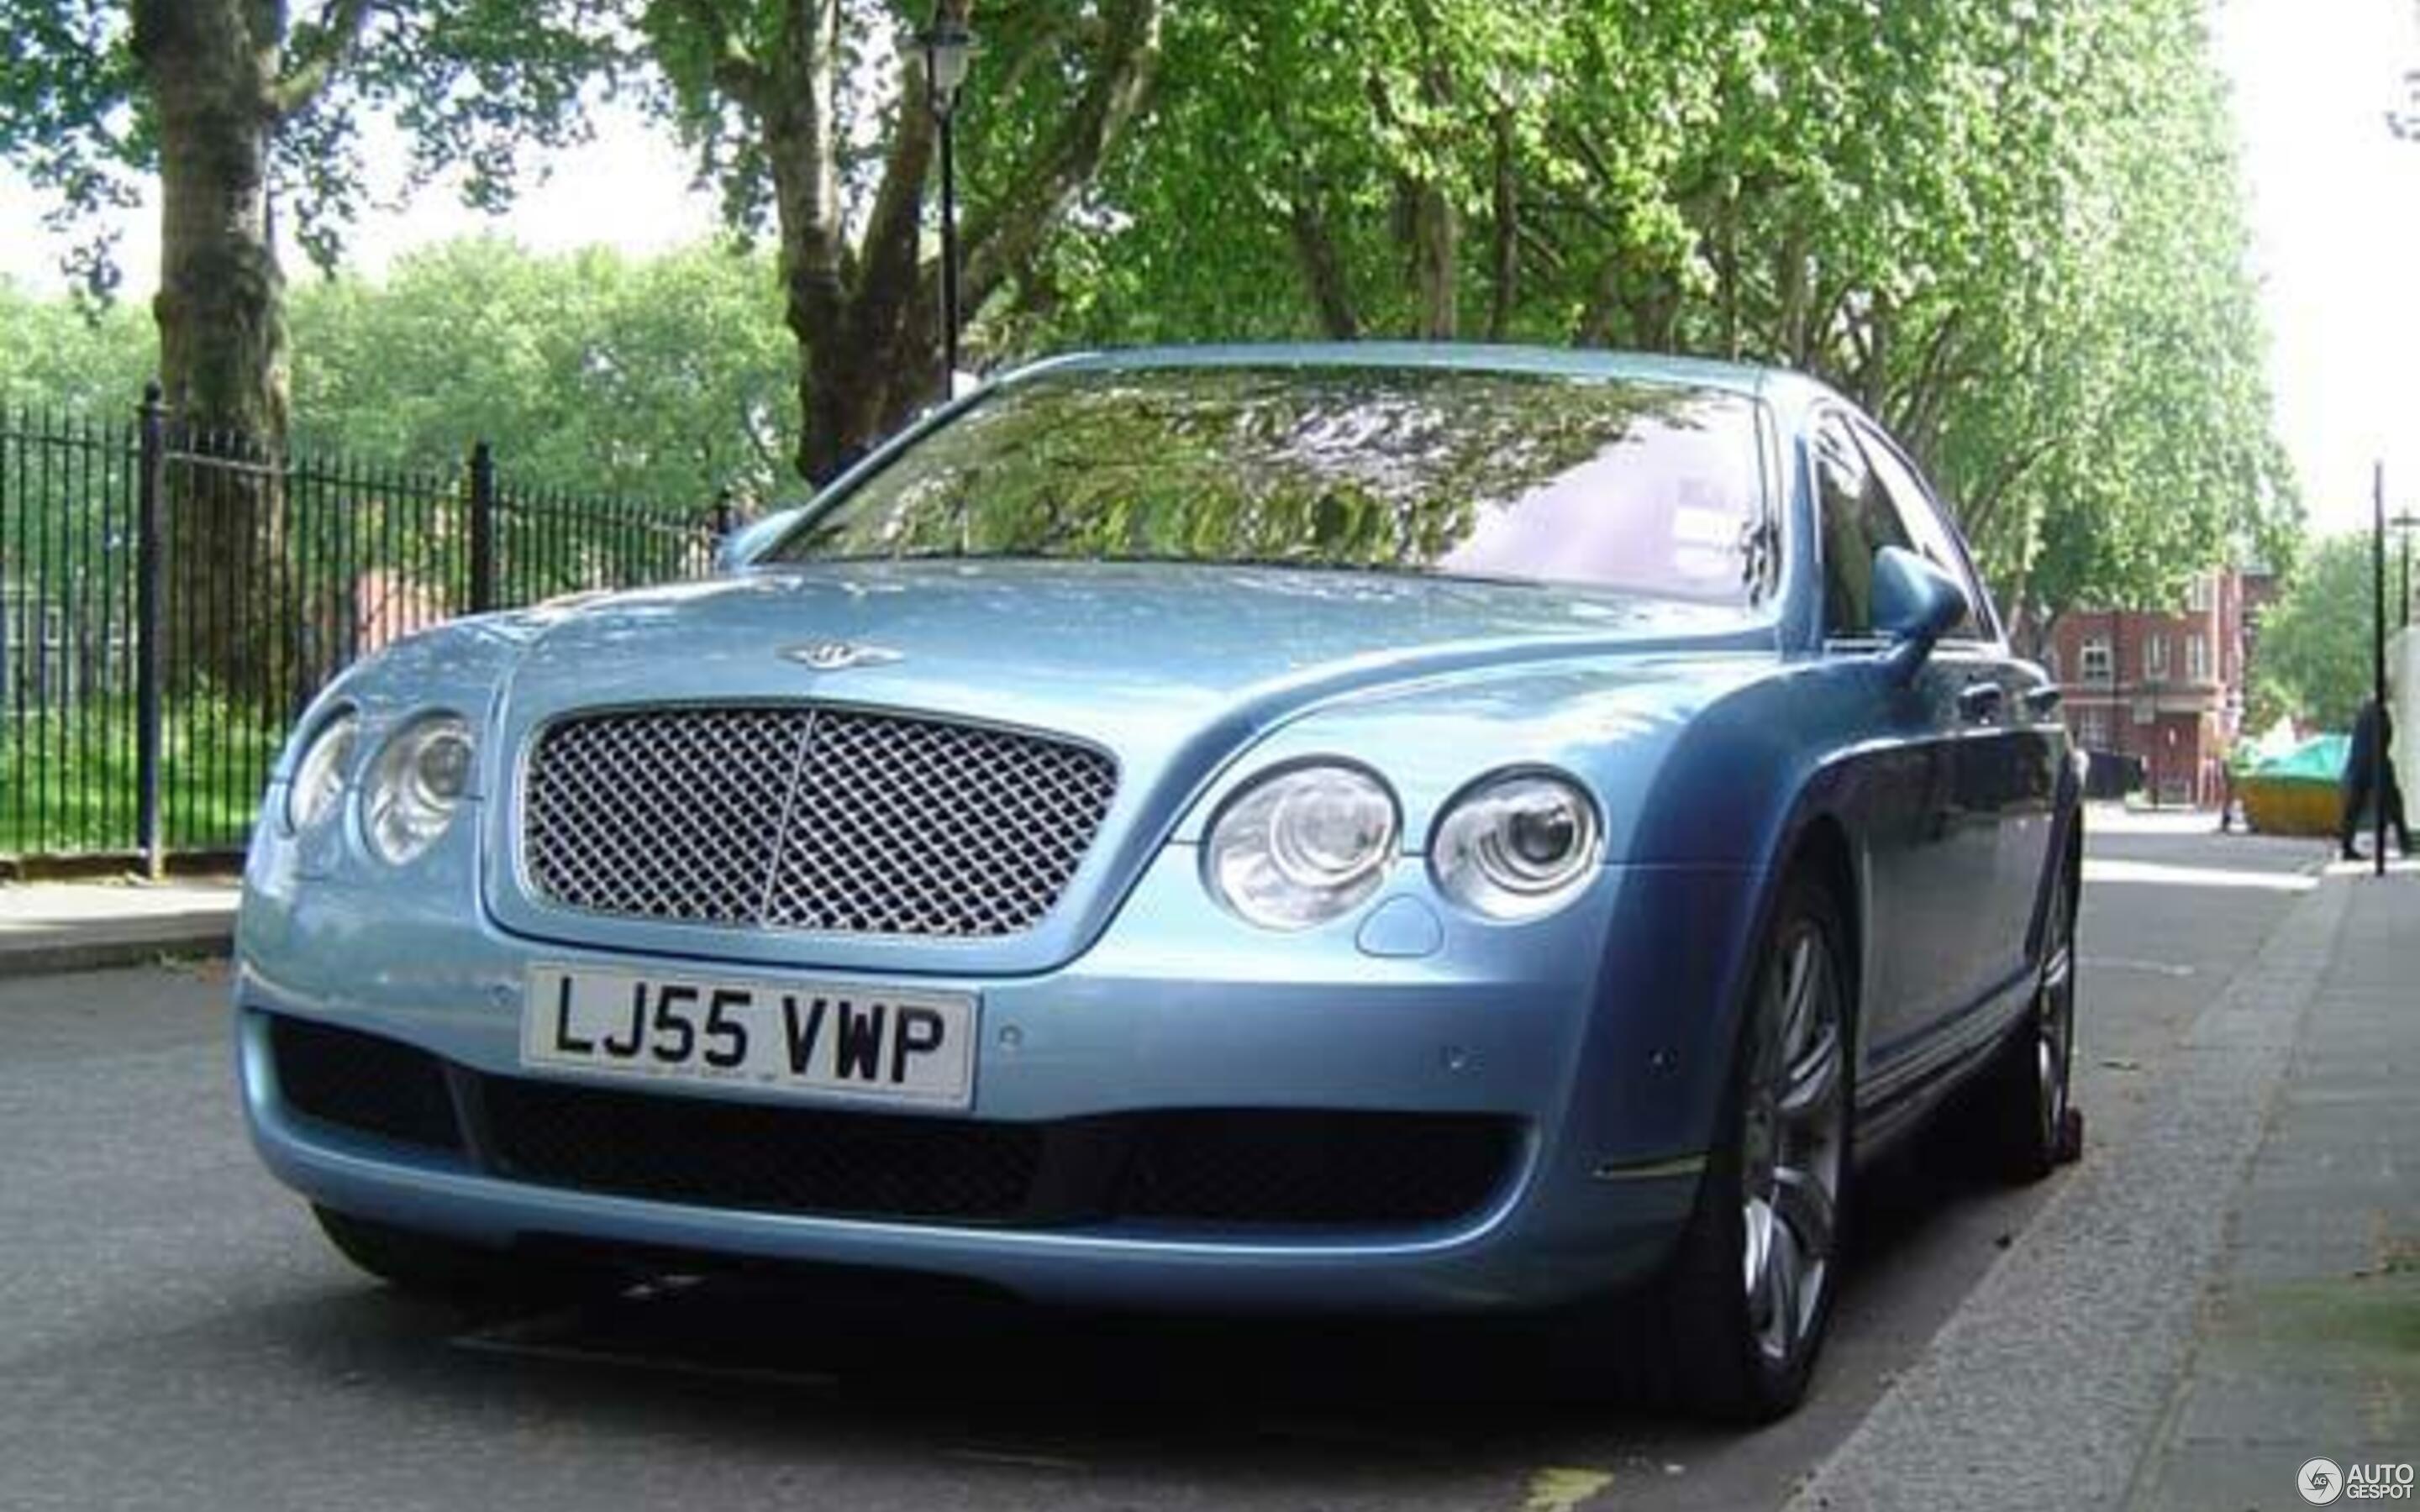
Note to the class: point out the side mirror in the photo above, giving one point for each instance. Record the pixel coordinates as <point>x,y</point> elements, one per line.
<point>739,549</point>
<point>1915,603</point>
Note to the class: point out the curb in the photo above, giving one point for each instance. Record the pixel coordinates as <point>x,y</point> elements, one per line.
<point>102,947</point>
<point>2051,1383</point>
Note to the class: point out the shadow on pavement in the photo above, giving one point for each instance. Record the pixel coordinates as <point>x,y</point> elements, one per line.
<point>901,1367</point>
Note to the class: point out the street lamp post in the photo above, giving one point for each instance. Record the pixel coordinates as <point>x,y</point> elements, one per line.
<point>948,48</point>
<point>2378,778</point>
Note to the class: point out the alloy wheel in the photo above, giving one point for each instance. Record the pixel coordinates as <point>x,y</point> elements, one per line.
<point>1793,1141</point>
<point>2055,1015</point>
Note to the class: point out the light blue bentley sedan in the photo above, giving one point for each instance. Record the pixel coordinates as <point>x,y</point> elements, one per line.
<point>1326,828</point>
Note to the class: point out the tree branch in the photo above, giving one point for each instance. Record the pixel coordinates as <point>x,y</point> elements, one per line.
<point>799,127</point>
<point>338,34</point>
<point>1909,404</point>
<point>893,236</point>
<point>1977,517</point>
<point>734,72</point>
<point>999,244</point>
<point>1871,342</point>
<point>1584,146</point>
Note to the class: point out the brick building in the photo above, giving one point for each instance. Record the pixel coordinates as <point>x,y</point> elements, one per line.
<point>2163,686</point>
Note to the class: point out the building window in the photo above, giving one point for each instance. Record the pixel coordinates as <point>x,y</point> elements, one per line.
<point>2097,666</point>
<point>2092,729</point>
<point>2197,657</point>
<point>2155,658</point>
<point>2200,592</point>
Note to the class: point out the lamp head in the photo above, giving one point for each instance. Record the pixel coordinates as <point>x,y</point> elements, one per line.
<point>947,50</point>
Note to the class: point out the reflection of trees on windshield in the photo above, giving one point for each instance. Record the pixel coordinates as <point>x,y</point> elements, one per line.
<point>1488,473</point>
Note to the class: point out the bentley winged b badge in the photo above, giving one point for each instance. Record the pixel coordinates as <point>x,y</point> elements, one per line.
<point>838,656</point>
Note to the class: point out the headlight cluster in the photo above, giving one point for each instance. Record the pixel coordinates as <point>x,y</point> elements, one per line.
<point>1308,843</point>
<point>413,787</point>
<point>1303,845</point>
<point>1516,846</point>
<point>317,789</point>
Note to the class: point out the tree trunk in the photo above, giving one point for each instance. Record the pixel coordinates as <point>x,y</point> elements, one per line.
<point>1595,325</point>
<point>209,66</point>
<point>1430,222</point>
<point>221,305</point>
<point>864,316</point>
<point>1436,238</point>
<point>1505,270</point>
<point>797,122</point>
<point>1323,268</point>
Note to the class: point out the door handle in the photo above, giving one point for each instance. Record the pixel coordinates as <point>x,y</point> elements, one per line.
<point>2041,702</point>
<point>1980,703</point>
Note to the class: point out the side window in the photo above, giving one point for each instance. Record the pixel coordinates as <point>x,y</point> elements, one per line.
<point>1858,522</point>
<point>1921,518</point>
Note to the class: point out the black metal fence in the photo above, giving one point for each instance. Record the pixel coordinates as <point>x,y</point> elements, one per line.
<point>170,598</point>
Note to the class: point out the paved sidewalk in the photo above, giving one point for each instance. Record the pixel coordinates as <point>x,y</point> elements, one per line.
<point>2231,1291</point>
<point>2309,1346</point>
<point>75,926</point>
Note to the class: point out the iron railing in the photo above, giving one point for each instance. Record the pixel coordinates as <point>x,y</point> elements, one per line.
<point>170,598</point>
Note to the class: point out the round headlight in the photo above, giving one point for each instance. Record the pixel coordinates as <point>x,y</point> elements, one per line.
<point>1301,846</point>
<point>318,781</point>
<point>415,785</point>
<point>1516,846</point>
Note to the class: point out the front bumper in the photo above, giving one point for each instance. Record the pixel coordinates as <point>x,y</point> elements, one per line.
<point>1589,1037</point>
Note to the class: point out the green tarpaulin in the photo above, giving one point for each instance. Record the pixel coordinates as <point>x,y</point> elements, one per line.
<point>2320,759</point>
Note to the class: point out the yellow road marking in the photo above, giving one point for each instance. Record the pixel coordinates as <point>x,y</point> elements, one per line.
<point>1561,1489</point>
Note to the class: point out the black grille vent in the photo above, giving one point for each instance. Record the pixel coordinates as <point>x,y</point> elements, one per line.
<point>1267,1167</point>
<point>754,1155</point>
<point>1227,1167</point>
<point>364,1083</point>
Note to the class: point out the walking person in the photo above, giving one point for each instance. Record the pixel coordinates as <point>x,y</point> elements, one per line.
<point>2232,769</point>
<point>2370,772</point>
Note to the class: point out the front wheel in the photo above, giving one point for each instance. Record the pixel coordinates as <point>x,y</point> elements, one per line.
<point>2026,1122</point>
<point>1741,1315</point>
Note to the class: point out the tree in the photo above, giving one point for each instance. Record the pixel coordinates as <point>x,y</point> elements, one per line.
<point>795,110</point>
<point>88,360</point>
<point>667,378</point>
<point>2012,232</point>
<point>2313,662</point>
<point>235,105</point>
<point>2157,368</point>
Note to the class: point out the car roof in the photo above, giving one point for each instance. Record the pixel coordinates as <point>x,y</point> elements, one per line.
<point>1745,378</point>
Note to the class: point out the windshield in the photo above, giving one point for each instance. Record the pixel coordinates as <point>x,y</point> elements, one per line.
<point>1640,486</point>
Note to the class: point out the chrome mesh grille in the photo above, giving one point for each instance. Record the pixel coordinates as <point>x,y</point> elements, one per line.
<point>833,820</point>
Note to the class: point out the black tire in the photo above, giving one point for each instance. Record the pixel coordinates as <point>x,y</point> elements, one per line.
<point>425,1265</point>
<point>2024,1123</point>
<point>1712,1340</point>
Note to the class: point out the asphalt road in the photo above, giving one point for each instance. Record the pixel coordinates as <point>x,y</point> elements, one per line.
<point>173,1333</point>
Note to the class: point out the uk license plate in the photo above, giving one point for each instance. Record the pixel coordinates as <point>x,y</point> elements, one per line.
<point>808,1039</point>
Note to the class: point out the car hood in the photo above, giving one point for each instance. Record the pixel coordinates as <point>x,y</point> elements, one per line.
<point>1091,648</point>
<point>1171,668</point>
